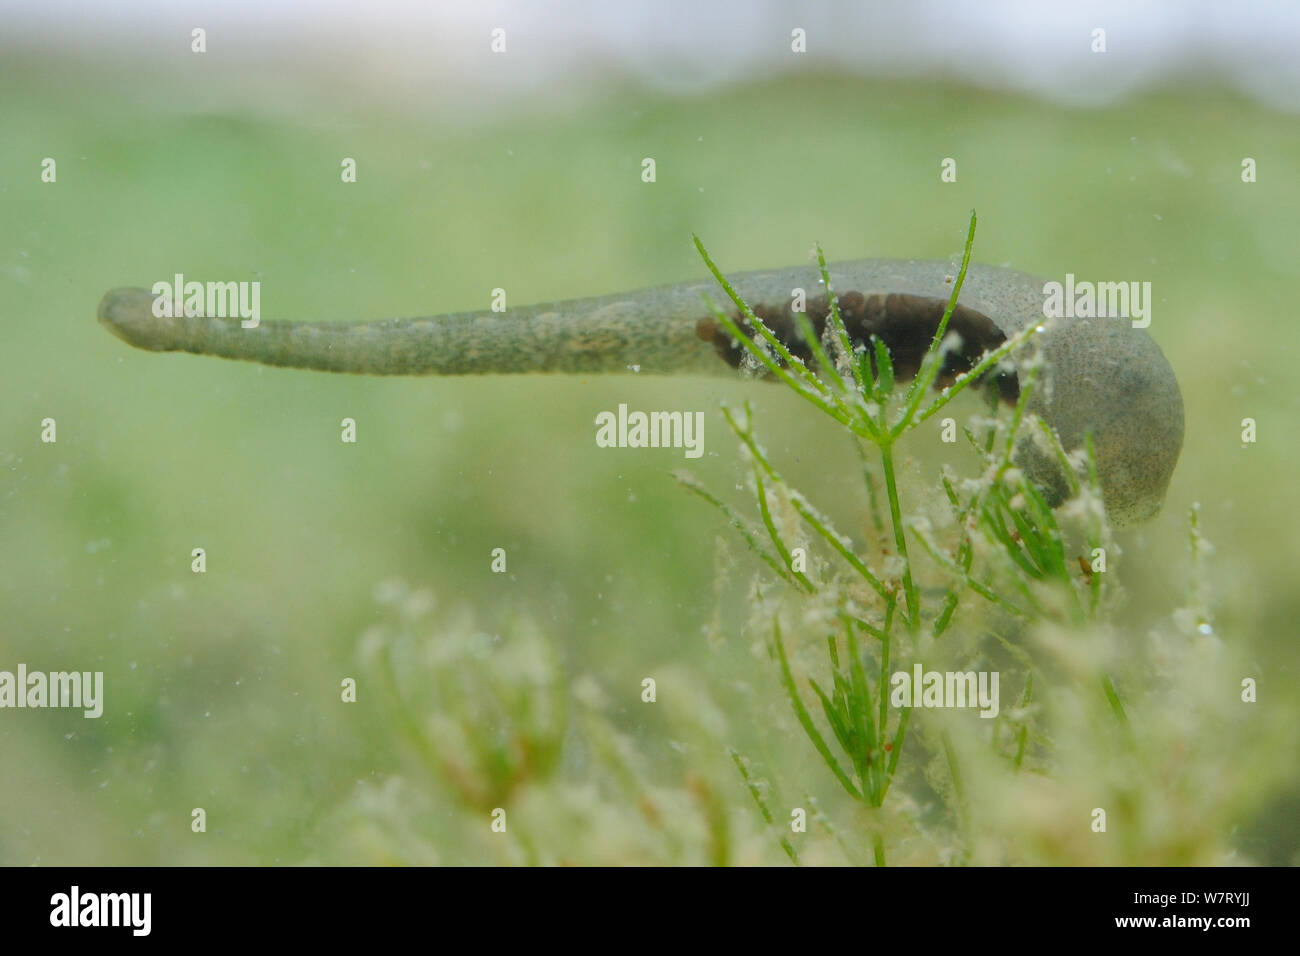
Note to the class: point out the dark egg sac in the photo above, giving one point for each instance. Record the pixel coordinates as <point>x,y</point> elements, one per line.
<point>904,323</point>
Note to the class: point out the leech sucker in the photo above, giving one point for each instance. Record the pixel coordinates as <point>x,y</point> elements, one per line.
<point>1099,375</point>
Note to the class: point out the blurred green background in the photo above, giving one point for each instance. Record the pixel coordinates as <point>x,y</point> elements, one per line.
<point>222,689</point>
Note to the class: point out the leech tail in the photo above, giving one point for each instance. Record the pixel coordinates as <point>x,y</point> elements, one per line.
<point>614,334</point>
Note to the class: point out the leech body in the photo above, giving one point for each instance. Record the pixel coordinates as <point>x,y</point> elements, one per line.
<point>1100,375</point>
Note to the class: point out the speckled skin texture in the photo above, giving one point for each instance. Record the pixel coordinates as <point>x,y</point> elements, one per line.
<point>1100,374</point>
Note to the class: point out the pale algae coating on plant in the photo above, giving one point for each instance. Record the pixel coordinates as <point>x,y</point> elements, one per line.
<point>1100,375</point>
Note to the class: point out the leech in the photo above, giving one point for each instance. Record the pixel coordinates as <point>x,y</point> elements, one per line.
<point>1099,375</point>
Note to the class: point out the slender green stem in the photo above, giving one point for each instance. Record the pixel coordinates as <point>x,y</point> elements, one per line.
<point>823,528</point>
<point>862,716</point>
<point>775,535</point>
<point>966,379</point>
<point>813,393</point>
<point>836,321</point>
<point>900,539</point>
<point>897,749</point>
<point>868,479</point>
<point>884,663</point>
<point>756,792</point>
<point>805,719</point>
<point>1022,738</point>
<point>933,359</point>
<point>1112,697</point>
<point>734,520</point>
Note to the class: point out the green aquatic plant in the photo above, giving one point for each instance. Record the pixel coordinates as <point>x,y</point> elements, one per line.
<point>977,571</point>
<point>504,755</point>
<point>1005,543</point>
